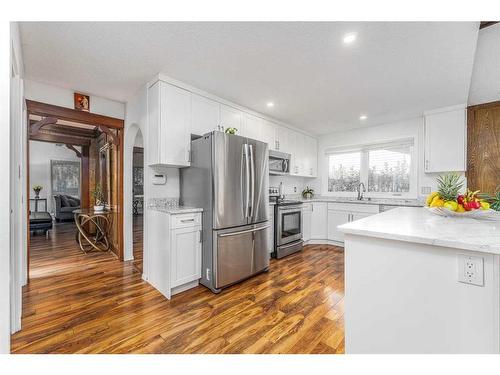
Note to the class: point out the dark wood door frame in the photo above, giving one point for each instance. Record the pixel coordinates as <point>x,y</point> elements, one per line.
<point>49,112</point>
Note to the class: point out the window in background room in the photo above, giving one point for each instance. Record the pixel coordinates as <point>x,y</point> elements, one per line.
<point>344,172</point>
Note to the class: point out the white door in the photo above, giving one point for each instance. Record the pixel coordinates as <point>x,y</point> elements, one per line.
<point>296,147</point>
<point>306,221</point>
<point>311,158</point>
<point>269,134</point>
<point>205,115</point>
<point>186,255</point>
<point>231,118</point>
<point>336,218</point>
<point>445,141</point>
<point>253,127</point>
<point>282,137</point>
<point>175,123</point>
<point>319,228</point>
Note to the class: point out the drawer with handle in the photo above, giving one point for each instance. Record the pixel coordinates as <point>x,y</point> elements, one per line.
<point>186,220</point>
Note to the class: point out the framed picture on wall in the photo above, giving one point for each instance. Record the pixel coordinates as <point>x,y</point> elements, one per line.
<point>65,177</point>
<point>82,102</point>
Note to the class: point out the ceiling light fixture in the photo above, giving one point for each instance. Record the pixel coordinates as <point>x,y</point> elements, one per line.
<point>363,117</point>
<point>270,104</point>
<point>349,38</point>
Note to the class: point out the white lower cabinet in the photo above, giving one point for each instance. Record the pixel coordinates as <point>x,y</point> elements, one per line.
<point>321,219</point>
<point>173,251</point>
<point>186,255</point>
<point>319,228</point>
<point>336,218</point>
<point>306,221</point>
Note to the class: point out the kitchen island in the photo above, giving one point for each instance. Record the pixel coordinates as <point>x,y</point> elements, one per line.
<point>420,283</point>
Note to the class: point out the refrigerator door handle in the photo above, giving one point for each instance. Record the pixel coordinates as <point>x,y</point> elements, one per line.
<point>247,179</point>
<point>244,231</point>
<point>252,180</point>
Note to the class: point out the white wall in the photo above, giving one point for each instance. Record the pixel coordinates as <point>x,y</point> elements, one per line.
<point>12,232</point>
<point>41,153</point>
<point>49,94</point>
<point>293,185</point>
<point>401,129</point>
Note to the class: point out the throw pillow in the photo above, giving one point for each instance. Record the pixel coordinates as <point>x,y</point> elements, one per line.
<point>65,201</point>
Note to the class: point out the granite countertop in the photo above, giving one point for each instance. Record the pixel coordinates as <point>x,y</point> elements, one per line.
<point>379,201</point>
<point>170,206</point>
<point>411,224</point>
<point>176,210</point>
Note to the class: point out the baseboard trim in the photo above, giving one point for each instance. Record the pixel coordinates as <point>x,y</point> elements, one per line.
<point>324,242</point>
<point>184,287</point>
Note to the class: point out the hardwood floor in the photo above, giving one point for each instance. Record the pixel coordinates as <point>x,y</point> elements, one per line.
<point>93,303</point>
<point>138,241</point>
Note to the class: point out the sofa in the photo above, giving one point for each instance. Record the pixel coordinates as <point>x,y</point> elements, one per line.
<point>65,205</point>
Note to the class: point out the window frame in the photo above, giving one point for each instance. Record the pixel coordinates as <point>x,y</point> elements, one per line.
<point>364,163</point>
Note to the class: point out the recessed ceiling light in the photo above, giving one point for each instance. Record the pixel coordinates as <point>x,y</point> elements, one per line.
<point>363,117</point>
<point>349,38</point>
<point>270,104</point>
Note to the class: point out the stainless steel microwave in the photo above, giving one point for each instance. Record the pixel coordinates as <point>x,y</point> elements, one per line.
<point>279,163</point>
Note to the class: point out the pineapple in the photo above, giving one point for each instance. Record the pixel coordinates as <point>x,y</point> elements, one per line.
<point>449,185</point>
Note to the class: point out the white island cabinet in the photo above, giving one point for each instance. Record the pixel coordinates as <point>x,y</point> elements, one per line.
<point>173,252</point>
<point>416,282</point>
<point>169,124</point>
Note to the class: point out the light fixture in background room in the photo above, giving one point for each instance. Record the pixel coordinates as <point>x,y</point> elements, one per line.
<point>270,104</point>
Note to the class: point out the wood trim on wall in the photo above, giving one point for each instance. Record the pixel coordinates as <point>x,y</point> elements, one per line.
<point>68,114</point>
<point>63,113</point>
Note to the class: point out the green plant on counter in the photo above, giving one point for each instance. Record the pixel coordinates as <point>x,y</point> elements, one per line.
<point>231,131</point>
<point>307,192</point>
<point>493,200</point>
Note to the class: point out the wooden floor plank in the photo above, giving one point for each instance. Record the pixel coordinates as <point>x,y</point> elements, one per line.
<point>93,303</point>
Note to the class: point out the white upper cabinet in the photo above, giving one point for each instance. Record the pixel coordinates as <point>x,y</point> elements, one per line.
<point>283,136</point>
<point>231,118</point>
<point>205,115</point>
<point>445,140</point>
<point>254,127</point>
<point>269,134</point>
<point>169,123</point>
<point>311,157</point>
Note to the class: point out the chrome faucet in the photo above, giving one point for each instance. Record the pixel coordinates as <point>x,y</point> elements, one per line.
<point>360,193</point>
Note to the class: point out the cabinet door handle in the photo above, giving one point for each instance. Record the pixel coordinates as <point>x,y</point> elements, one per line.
<point>189,155</point>
<point>200,234</point>
<point>187,220</point>
<point>427,165</point>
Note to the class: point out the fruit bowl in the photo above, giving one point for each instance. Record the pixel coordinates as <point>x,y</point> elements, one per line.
<point>475,214</point>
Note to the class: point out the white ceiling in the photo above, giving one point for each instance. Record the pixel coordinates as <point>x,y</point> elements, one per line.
<point>392,71</point>
<point>485,84</point>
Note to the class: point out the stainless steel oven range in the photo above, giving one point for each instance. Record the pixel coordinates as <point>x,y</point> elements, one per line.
<point>287,228</point>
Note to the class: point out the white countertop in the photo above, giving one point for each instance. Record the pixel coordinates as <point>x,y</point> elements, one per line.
<point>377,201</point>
<point>412,224</point>
<point>176,210</point>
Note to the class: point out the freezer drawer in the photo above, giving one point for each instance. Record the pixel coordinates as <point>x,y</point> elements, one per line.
<point>240,253</point>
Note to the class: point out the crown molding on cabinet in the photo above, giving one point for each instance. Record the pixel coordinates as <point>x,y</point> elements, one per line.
<point>197,91</point>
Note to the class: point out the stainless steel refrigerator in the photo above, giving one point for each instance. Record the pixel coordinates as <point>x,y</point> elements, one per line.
<point>229,178</point>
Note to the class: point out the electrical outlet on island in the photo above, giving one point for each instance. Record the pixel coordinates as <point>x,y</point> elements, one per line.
<point>471,269</point>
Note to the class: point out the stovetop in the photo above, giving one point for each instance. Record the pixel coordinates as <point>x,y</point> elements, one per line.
<point>283,202</point>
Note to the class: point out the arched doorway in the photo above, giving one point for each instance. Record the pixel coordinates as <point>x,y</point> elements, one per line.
<point>138,202</point>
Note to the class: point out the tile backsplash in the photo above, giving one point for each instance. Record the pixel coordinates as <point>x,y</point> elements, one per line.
<point>292,185</point>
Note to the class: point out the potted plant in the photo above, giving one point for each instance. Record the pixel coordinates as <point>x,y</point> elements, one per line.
<point>307,193</point>
<point>98,196</point>
<point>37,189</point>
<point>231,131</point>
